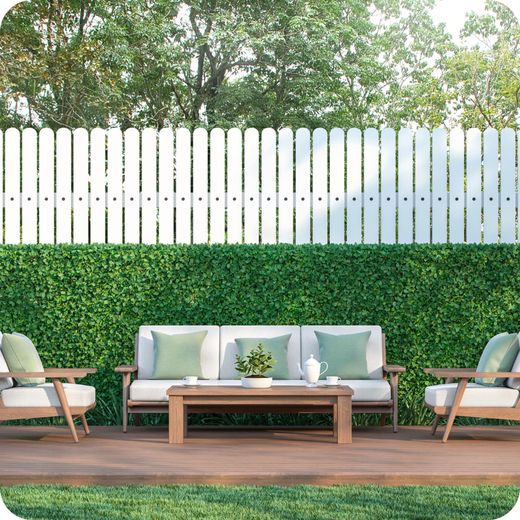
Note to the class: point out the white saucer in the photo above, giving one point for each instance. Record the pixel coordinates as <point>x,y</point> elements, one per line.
<point>191,386</point>
<point>331,385</point>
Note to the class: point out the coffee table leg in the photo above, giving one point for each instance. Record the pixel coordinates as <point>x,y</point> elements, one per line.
<point>176,420</point>
<point>344,420</point>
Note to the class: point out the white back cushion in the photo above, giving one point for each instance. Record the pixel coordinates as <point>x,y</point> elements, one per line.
<point>208,353</point>
<point>229,349</point>
<point>5,382</point>
<point>310,344</point>
<point>514,382</point>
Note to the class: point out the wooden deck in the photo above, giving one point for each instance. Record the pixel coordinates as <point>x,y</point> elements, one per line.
<point>484,455</point>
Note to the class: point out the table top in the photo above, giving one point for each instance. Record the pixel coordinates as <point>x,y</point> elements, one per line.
<point>279,390</point>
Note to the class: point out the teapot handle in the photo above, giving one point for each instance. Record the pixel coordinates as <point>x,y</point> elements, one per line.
<point>324,363</point>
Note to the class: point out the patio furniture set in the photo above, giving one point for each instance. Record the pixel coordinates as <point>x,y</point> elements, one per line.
<point>164,355</point>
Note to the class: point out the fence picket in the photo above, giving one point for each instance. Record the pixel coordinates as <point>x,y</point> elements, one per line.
<point>405,187</point>
<point>439,186</point>
<point>422,187</point>
<point>64,185</point>
<point>115,186</point>
<point>217,186</point>
<point>131,187</point>
<point>29,186</point>
<point>354,188</point>
<point>234,183</point>
<point>182,187</point>
<point>474,187</point>
<point>149,186</point>
<point>46,186</point>
<point>1,187</point>
<point>166,193</point>
<point>371,186</point>
<point>337,186</point>
<point>200,186</point>
<point>80,179</point>
<point>507,187</point>
<point>12,186</point>
<point>251,186</point>
<point>490,186</point>
<point>320,204</point>
<point>97,185</point>
<point>388,186</point>
<point>268,176</point>
<point>457,203</point>
<point>286,186</point>
<point>303,183</point>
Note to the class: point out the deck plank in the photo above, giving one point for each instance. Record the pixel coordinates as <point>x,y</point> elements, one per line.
<point>474,455</point>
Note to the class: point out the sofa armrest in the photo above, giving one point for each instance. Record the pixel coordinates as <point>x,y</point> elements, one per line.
<point>394,369</point>
<point>123,369</point>
<point>466,373</point>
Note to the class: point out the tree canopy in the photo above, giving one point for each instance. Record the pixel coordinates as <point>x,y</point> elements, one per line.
<point>275,63</point>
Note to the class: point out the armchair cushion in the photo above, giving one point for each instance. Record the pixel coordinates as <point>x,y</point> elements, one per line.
<point>514,382</point>
<point>45,395</point>
<point>475,396</point>
<point>5,382</point>
<point>177,355</point>
<point>498,356</point>
<point>21,356</point>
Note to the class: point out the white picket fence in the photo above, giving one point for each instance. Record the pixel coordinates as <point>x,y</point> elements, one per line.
<point>175,186</point>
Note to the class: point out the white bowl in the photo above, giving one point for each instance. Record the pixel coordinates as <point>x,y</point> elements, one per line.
<point>257,382</point>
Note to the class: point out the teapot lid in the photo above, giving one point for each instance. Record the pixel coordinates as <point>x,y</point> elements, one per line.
<point>311,361</point>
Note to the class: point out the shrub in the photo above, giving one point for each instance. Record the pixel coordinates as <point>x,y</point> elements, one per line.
<point>82,305</point>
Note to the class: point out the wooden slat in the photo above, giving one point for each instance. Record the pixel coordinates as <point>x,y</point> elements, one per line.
<point>217,186</point>
<point>149,186</point>
<point>234,186</point>
<point>474,187</point>
<point>251,186</point>
<point>80,227</point>
<point>97,186</point>
<point>508,213</point>
<point>388,186</point>
<point>320,203</point>
<point>115,186</point>
<point>439,186</point>
<point>337,186</point>
<point>29,187</point>
<point>132,231</point>
<point>286,186</point>
<point>12,186</point>
<point>268,177</point>
<point>490,186</point>
<point>183,186</point>
<point>457,181</point>
<point>166,193</point>
<point>63,185</point>
<point>46,187</point>
<point>354,187</point>
<point>423,187</point>
<point>371,186</point>
<point>200,186</point>
<point>1,187</point>
<point>405,187</point>
<point>303,184</point>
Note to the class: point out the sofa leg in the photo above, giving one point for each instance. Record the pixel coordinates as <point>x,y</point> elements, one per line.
<point>382,420</point>
<point>137,419</point>
<point>58,386</point>
<point>85,424</point>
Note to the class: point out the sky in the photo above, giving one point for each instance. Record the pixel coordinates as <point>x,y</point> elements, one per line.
<point>453,13</point>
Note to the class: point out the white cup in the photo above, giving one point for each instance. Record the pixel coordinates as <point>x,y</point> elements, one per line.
<point>333,380</point>
<point>190,380</point>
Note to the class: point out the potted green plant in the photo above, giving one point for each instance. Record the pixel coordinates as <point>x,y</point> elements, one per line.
<point>254,366</point>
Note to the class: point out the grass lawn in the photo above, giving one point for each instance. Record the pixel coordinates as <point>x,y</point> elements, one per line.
<point>255,503</point>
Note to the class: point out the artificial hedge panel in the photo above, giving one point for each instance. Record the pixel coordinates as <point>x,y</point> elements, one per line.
<point>82,305</point>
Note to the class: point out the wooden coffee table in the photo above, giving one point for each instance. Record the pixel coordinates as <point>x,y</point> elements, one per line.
<point>281,399</point>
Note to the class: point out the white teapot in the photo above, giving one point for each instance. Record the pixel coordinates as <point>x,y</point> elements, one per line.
<point>312,370</point>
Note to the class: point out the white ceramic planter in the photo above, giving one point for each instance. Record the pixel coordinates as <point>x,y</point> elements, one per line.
<point>257,382</point>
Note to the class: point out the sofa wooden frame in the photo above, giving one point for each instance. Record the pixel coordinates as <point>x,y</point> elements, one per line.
<point>463,375</point>
<point>384,408</point>
<point>71,413</point>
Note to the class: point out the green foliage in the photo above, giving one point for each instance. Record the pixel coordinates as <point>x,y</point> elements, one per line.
<point>437,304</point>
<point>256,363</point>
<point>260,502</point>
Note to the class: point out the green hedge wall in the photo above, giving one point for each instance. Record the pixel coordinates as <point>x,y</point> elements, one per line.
<point>82,305</point>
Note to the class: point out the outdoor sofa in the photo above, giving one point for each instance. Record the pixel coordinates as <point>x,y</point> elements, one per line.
<point>378,393</point>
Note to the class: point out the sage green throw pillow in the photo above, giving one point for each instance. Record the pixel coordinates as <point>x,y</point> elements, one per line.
<point>498,356</point>
<point>276,346</point>
<point>346,354</point>
<point>21,356</point>
<point>177,355</point>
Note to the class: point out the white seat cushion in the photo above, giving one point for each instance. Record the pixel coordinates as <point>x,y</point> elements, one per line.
<point>209,352</point>
<point>45,395</point>
<point>229,349</point>
<point>310,344</point>
<point>5,382</point>
<point>155,389</point>
<point>475,395</point>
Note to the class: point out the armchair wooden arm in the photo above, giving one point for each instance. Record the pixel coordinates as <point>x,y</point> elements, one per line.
<point>53,373</point>
<point>394,369</point>
<point>123,369</point>
<point>466,373</point>
<point>126,371</point>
